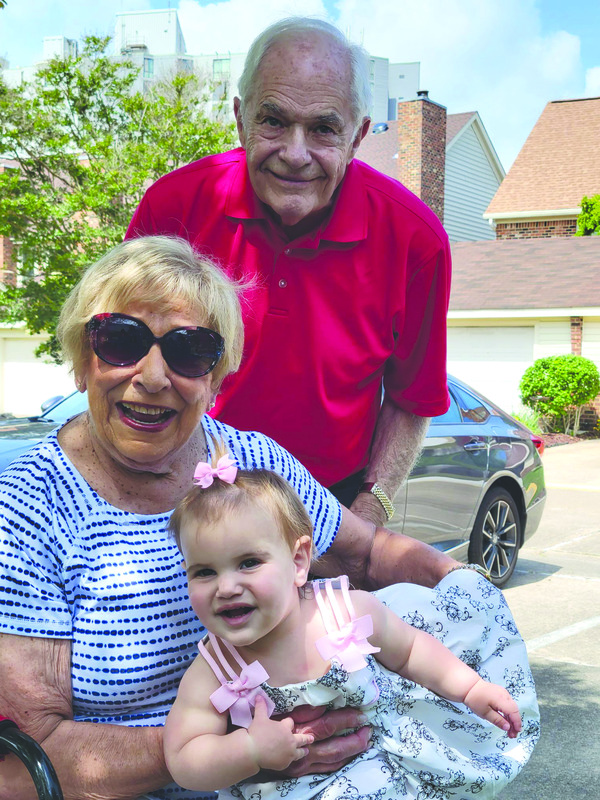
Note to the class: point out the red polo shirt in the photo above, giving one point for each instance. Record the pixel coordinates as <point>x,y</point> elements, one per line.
<point>361,299</point>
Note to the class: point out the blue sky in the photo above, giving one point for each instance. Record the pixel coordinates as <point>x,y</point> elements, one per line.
<point>503,58</point>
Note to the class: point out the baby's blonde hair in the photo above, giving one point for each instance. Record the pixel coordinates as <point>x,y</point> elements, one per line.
<point>262,487</point>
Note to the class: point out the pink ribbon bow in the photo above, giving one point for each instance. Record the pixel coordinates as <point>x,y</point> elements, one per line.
<point>226,470</point>
<point>349,645</point>
<point>239,695</point>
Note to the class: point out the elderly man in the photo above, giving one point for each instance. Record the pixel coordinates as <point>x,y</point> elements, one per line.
<point>349,272</point>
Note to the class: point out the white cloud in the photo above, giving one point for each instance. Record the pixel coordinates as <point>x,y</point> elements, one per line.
<point>476,55</point>
<point>232,25</point>
<point>489,56</point>
<point>592,82</point>
<point>25,23</point>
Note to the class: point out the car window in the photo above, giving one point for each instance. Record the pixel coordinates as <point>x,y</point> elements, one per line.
<point>471,408</point>
<point>451,416</point>
<point>73,404</point>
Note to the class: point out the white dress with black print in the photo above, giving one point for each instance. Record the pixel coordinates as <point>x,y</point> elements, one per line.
<point>423,746</point>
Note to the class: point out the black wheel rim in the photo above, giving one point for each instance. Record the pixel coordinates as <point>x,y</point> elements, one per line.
<point>499,539</point>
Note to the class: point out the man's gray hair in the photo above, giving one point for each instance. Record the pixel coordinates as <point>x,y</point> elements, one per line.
<point>360,89</point>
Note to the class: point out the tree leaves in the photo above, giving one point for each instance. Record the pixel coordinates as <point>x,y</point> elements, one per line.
<point>82,148</point>
<point>588,222</point>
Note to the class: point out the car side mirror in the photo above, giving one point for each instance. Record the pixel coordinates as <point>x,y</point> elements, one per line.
<point>48,404</point>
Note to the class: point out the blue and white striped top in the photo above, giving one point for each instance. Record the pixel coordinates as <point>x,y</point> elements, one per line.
<point>74,567</point>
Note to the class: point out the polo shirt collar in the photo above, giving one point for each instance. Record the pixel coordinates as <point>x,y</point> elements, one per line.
<point>242,203</point>
<point>348,221</point>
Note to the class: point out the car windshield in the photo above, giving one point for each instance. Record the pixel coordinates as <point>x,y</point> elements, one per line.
<point>73,404</point>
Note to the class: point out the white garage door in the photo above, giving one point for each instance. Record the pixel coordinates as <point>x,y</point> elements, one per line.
<point>27,381</point>
<point>492,360</point>
<point>590,344</point>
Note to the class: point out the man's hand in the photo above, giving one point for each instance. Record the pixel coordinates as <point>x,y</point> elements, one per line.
<point>274,744</point>
<point>330,750</point>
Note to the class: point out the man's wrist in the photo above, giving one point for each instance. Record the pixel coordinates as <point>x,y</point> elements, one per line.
<point>371,487</point>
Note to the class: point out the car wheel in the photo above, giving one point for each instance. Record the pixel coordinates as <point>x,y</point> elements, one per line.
<point>496,536</point>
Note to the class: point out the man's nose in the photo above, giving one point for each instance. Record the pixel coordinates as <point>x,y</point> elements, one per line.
<point>295,150</point>
<point>152,371</point>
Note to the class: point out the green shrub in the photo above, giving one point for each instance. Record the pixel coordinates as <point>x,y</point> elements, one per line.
<point>588,222</point>
<point>559,387</point>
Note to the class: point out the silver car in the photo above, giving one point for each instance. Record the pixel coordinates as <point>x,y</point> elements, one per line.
<point>477,491</point>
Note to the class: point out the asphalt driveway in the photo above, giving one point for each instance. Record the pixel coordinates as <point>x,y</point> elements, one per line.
<point>555,597</point>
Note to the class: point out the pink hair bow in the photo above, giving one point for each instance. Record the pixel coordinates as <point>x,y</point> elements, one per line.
<point>226,470</point>
<point>239,695</point>
<point>349,645</point>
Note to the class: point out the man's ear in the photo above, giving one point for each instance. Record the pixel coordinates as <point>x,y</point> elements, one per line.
<point>360,135</point>
<point>237,110</point>
<point>302,559</point>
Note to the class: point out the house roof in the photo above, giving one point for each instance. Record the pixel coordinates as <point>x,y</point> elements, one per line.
<point>558,164</point>
<point>380,150</point>
<point>455,123</point>
<point>526,273</point>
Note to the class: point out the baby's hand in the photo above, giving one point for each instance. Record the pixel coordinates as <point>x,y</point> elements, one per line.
<point>494,703</point>
<point>273,742</point>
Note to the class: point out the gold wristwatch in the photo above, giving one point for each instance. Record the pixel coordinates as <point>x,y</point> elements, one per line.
<point>375,489</point>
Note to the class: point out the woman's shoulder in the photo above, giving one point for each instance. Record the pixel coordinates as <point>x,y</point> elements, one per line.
<point>251,448</point>
<point>254,450</point>
<point>43,478</point>
<point>41,460</point>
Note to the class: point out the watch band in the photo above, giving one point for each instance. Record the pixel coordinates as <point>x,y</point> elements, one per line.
<point>377,491</point>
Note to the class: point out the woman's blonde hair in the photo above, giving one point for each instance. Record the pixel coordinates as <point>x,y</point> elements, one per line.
<point>160,271</point>
<point>261,487</point>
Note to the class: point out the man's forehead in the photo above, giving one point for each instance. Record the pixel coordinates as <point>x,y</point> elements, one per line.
<point>310,54</point>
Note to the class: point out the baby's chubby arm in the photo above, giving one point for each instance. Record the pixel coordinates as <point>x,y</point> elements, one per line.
<point>420,657</point>
<point>202,756</point>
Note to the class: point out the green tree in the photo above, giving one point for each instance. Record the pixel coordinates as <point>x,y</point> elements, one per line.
<point>84,146</point>
<point>588,222</point>
<point>559,386</point>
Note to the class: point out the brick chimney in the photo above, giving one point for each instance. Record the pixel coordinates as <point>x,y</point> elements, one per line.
<point>422,149</point>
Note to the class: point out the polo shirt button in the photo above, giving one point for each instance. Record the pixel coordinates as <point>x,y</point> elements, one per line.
<point>282,284</point>
<point>287,252</point>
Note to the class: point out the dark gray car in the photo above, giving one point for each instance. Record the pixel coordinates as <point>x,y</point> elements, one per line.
<point>476,492</point>
<point>478,488</point>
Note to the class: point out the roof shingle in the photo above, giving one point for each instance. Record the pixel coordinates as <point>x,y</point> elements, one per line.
<point>380,150</point>
<point>558,164</point>
<point>526,273</point>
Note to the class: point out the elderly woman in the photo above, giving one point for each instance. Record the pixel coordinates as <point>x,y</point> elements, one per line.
<point>96,629</point>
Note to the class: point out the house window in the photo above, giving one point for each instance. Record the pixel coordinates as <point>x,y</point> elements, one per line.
<point>148,68</point>
<point>221,69</point>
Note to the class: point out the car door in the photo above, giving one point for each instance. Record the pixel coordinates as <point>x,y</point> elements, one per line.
<point>447,483</point>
